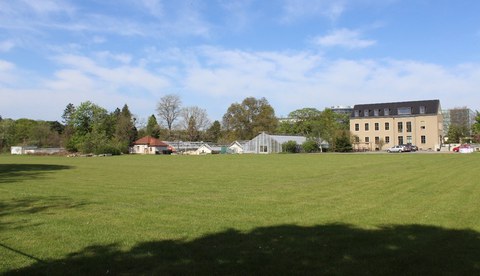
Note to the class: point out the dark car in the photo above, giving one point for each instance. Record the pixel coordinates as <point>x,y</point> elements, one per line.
<point>409,147</point>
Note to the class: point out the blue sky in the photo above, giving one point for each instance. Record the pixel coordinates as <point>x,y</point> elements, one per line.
<point>295,53</point>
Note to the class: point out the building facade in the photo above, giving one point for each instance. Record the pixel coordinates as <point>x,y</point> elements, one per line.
<point>383,125</point>
<point>463,117</point>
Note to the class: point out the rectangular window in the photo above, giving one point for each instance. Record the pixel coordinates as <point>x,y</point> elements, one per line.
<point>377,126</point>
<point>263,149</point>
<point>357,127</point>
<point>366,113</point>
<point>422,109</point>
<point>376,112</point>
<point>367,139</point>
<point>387,139</point>
<point>357,113</point>
<point>386,111</point>
<point>400,127</point>
<point>409,126</point>
<point>404,110</point>
<point>409,139</point>
<point>377,140</point>
<point>357,139</point>
<point>423,139</point>
<point>366,127</point>
<point>387,126</point>
<point>400,140</point>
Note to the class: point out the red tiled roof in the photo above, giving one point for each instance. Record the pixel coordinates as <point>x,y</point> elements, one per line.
<point>150,141</point>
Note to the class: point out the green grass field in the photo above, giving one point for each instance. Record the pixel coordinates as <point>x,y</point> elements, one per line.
<point>358,214</point>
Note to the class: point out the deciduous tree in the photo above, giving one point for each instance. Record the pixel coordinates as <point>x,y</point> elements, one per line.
<point>168,109</point>
<point>245,120</point>
<point>194,121</point>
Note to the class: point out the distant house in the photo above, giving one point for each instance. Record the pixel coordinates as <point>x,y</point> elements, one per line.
<point>150,145</point>
<point>237,147</point>
<point>207,149</point>
<point>265,143</point>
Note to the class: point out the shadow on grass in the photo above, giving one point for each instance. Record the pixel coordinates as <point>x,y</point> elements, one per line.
<point>10,173</point>
<point>16,209</point>
<point>285,249</point>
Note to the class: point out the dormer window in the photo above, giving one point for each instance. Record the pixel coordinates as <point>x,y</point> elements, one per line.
<point>376,112</point>
<point>422,109</point>
<point>386,112</point>
<point>366,111</point>
<point>404,111</point>
<point>357,113</point>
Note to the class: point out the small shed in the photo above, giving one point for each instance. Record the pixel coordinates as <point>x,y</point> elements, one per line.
<point>265,143</point>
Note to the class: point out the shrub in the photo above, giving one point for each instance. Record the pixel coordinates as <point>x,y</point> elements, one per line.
<point>342,144</point>
<point>290,147</point>
<point>310,146</point>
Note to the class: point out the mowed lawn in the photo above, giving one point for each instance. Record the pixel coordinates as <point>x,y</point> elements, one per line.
<point>357,214</point>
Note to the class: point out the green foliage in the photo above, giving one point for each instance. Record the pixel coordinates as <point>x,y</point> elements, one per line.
<point>244,121</point>
<point>214,132</point>
<point>456,133</point>
<point>310,122</point>
<point>68,114</point>
<point>343,143</point>
<point>153,129</point>
<point>310,146</point>
<point>305,122</point>
<point>290,147</point>
<point>476,128</point>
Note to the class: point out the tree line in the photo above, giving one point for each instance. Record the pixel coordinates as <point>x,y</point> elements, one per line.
<point>90,128</point>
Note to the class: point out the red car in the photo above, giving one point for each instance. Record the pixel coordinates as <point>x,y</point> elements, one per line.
<point>457,148</point>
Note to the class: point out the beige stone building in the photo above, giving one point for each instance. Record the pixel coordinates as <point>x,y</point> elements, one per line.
<point>383,125</point>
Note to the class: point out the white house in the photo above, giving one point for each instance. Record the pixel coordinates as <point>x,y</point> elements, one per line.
<point>237,147</point>
<point>149,145</point>
<point>265,143</point>
<point>207,149</point>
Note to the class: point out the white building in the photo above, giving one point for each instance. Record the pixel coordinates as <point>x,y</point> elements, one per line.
<point>237,147</point>
<point>207,149</point>
<point>265,143</point>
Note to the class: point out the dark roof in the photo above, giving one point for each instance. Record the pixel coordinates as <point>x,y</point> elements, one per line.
<point>150,141</point>
<point>432,107</point>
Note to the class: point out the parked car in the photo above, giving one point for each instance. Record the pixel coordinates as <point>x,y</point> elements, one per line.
<point>398,148</point>
<point>463,146</point>
<point>407,147</point>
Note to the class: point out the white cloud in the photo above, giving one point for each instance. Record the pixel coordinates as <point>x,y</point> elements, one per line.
<point>301,79</point>
<point>213,78</point>
<point>6,45</point>
<point>346,38</point>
